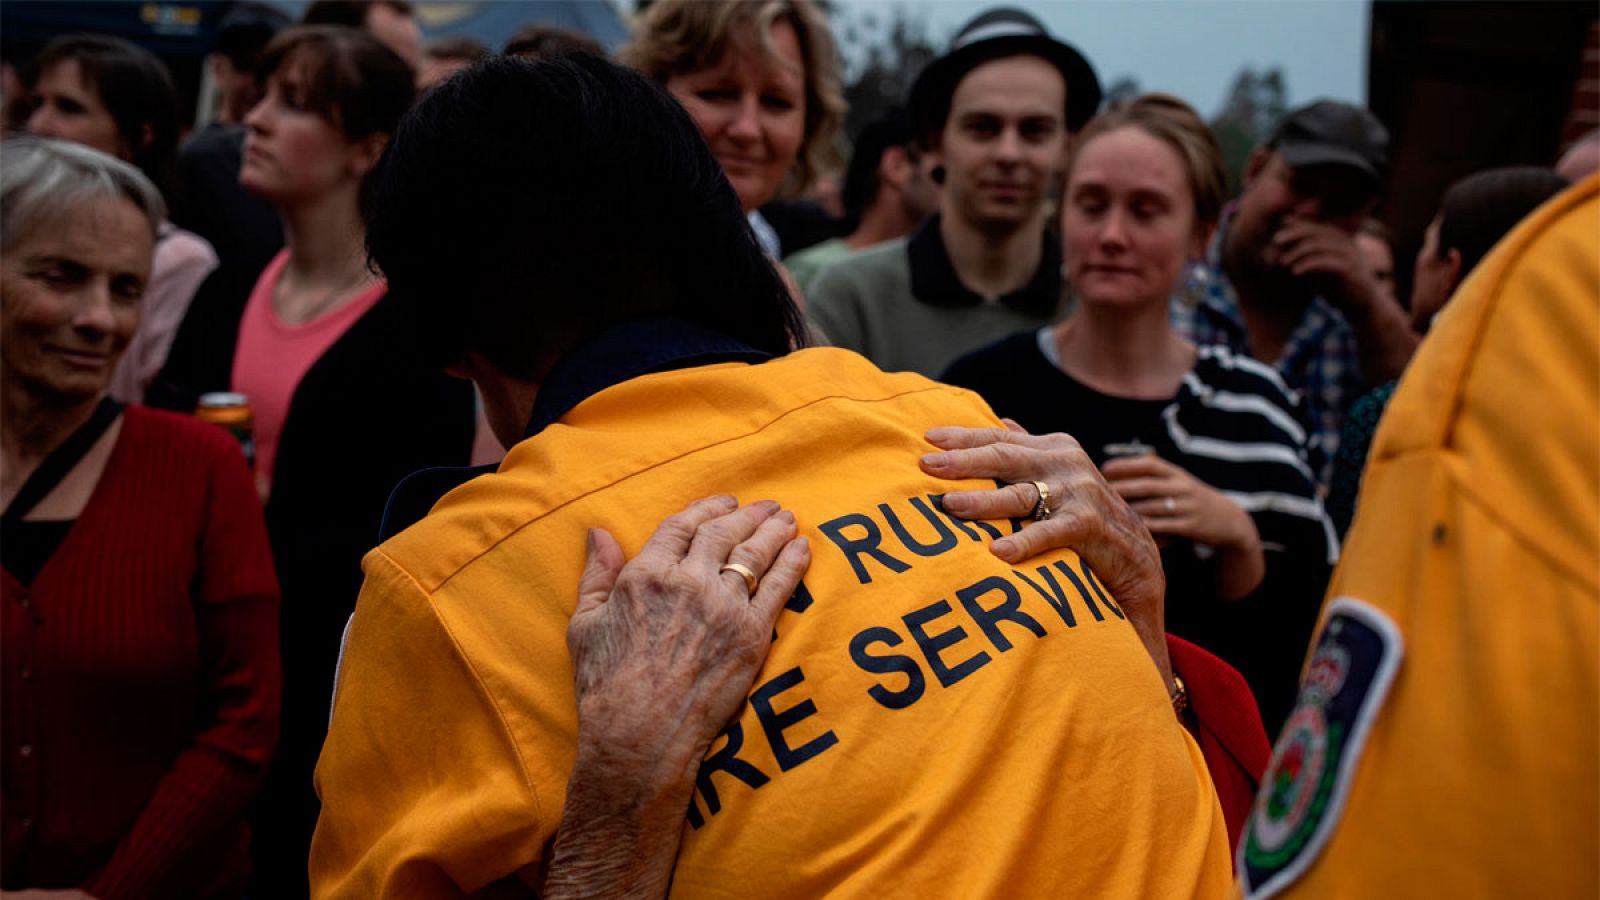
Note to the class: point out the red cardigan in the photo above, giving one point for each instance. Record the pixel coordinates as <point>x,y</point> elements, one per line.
<point>141,676</point>
<point>1227,726</point>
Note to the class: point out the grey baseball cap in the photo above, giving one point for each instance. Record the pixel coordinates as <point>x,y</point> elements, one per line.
<point>1331,133</point>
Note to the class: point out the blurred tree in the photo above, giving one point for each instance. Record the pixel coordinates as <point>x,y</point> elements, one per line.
<point>882,55</point>
<point>1254,105</point>
<point>1121,91</point>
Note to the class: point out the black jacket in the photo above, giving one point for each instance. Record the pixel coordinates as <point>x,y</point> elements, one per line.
<point>366,414</point>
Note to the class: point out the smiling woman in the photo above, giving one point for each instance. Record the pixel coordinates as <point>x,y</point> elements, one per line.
<point>54,340</point>
<point>140,610</point>
<point>759,77</point>
<point>111,95</point>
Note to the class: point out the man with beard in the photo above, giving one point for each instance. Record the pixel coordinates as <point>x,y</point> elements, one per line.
<point>1289,285</point>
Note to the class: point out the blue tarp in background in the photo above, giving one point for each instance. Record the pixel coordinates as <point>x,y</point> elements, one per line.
<point>182,33</point>
<point>185,28</point>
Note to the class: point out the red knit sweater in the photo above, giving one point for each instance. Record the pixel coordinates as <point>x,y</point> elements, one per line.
<point>1227,727</point>
<point>141,676</point>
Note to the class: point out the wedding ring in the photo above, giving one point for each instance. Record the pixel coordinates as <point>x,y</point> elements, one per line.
<point>1041,509</point>
<point>1170,504</point>
<point>750,580</point>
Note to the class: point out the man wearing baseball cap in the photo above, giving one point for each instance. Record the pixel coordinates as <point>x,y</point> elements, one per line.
<point>1294,291</point>
<point>995,113</point>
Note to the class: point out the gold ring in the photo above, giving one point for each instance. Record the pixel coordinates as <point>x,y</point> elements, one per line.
<point>750,580</point>
<point>1041,510</point>
<point>1171,505</point>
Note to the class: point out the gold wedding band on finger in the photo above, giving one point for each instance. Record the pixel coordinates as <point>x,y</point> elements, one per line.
<point>750,580</point>
<point>1170,504</point>
<point>1041,509</point>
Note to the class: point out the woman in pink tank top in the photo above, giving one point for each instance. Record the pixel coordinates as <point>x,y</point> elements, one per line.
<point>312,141</point>
<point>344,405</point>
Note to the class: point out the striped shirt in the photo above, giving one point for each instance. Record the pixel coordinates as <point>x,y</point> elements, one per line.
<point>1234,425</point>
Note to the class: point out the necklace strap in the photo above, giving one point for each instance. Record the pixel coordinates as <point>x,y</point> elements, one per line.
<point>61,460</point>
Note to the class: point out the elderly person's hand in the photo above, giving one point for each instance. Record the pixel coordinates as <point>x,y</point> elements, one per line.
<point>1085,515</point>
<point>664,651</point>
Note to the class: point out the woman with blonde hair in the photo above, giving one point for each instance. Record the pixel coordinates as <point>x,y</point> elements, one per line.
<point>1206,445</point>
<point>760,79</point>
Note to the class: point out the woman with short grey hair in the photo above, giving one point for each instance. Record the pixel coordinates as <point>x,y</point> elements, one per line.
<point>116,97</point>
<point>139,628</point>
<point>46,177</point>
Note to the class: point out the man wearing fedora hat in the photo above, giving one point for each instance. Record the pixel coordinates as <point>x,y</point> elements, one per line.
<point>1290,286</point>
<point>995,113</point>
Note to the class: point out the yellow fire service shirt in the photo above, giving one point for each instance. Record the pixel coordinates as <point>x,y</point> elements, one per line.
<point>1446,742</point>
<point>931,722</point>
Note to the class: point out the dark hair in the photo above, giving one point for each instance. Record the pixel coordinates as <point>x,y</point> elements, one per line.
<point>456,48</point>
<point>136,90</point>
<point>525,206</point>
<point>350,13</point>
<point>1479,210</point>
<point>892,129</point>
<point>547,40</point>
<point>245,31</point>
<point>352,79</point>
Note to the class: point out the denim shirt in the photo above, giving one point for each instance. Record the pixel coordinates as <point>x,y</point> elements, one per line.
<point>1320,358</point>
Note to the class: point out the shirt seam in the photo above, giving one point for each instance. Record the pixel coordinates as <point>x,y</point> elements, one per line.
<point>477,680</point>
<point>699,449</point>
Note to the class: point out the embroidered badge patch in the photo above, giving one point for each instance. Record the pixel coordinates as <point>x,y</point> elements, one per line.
<point>1304,789</point>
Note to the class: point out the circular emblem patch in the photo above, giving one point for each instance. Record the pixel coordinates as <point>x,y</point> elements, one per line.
<point>1304,789</point>
<point>1292,780</point>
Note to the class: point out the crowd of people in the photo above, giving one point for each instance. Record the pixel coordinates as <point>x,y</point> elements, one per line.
<point>596,532</point>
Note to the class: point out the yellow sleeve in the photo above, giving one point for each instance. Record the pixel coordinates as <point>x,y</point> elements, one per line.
<point>416,803</point>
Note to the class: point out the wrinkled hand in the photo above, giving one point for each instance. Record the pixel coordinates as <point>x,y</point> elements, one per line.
<point>1086,515</point>
<point>1328,256</point>
<point>665,648</point>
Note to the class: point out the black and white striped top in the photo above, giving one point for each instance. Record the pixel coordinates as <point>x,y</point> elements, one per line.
<point>1233,424</point>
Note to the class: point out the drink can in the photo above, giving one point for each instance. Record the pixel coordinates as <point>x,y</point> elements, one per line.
<point>1130,450</point>
<point>231,411</point>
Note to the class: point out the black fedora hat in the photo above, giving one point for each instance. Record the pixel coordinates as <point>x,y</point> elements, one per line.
<point>995,34</point>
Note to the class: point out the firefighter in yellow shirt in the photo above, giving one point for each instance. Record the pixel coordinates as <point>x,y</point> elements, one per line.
<point>1446,742</point>
<point>931,720</point>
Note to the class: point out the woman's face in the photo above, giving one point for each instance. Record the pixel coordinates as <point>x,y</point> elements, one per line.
<point>291,152</point>
<point>69,299</point>
<point>752,112</point>
<point>70,110</point>
<point>1128,221</point>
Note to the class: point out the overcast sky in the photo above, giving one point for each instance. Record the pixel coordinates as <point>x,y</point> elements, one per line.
<point>1192,48</point>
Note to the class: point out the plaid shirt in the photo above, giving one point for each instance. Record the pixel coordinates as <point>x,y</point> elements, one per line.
<point>1319,360</point>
